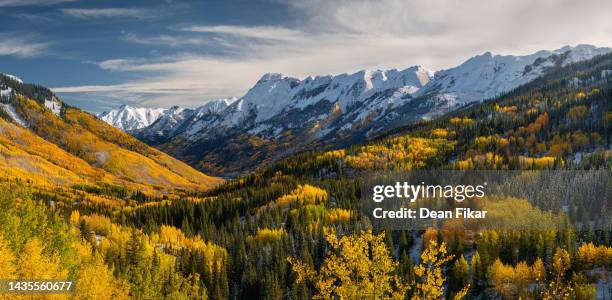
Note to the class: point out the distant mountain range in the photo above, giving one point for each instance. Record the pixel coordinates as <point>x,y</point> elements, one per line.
<point>130,118</point>
<point>281,115</point>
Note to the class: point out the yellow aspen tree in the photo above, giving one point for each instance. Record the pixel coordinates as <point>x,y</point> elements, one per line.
<point>7,266</point>
<point>96,281</point>
<point>33,264</point>
<point>356,267</point>
<point>75,217</point>
<point>429,272</point>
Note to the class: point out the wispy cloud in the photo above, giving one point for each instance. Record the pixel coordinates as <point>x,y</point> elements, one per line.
<point>168,40</point>
<point>346,36</point>
<point>21,47</point>
<point>101,13</point>
<point>256,32</point>
<point>7,3</point>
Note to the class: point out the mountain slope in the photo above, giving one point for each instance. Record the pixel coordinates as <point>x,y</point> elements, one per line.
<point>281,115</point>
<point>61,144</point>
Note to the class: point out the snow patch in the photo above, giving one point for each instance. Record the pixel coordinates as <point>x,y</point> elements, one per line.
<point>13,114</point>
<point>6,92</point>
<point>54,106</point>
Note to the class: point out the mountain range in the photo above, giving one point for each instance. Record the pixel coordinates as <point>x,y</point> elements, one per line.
<point>281,115</point>
<point>130,118</point>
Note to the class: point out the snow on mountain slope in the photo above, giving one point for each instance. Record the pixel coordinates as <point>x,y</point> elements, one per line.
<point>130,118</point>
<point>367,95</point>
<point>13,77</point>
<point>10,110</point>
<point>54,105</point>
<point>274,95</point>
<point>289,113</point>
<point>487,75</point>
<point>176,120</point>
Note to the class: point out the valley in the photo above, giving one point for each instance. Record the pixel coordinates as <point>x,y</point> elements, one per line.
<point>88,201</point>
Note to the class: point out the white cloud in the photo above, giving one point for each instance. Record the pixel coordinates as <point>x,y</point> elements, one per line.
<point>257,32</point>
<point>346,36</point>
<point>6,3</point>
<point>168,40</point>
<point>20,47</point>
<point>99,13</point>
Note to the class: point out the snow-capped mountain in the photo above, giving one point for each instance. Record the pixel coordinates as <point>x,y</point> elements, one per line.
<point>280,114</point>
<point>130,118</point>
<point>176,119</point>
<point>487,75</point>
<point>276,97</point>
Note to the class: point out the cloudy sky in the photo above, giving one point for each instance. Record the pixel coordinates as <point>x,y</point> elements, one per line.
<point>100,54</point>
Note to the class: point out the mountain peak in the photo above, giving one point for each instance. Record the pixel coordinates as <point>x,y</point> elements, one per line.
<point>579,47</point>
<point>270,77</point>
<point>130,118</point>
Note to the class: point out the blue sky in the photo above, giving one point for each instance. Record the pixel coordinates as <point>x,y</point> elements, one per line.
<point>100,54</point>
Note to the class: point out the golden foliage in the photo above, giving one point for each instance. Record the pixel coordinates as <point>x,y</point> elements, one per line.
<point>512,282</point>
<point>339,215</point>
<point>7,271</point>
<point>457,121</point>
<point>489,159</point>
<point>561,262</point>
<point>96,281</point>
<point>580,95</point>
<point>440,133</point>
<point>538,163</point>
<point>171,237</point>
<point>506,109</point>
<point>304,195</point>
<point>525,215</point>
<point>332,154</point>
<point>590,255</point>
<point>75,217</point>
<point>104,148</point>
<point>356,267</point>
<point>557,289</point>
<point>265,236</point>
<point>33,264</point>
<point>100,224</point>
<point>402,153</point>
<point>429,271</point>
<point>27,156</point>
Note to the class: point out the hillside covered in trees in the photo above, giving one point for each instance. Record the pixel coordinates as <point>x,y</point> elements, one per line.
<point>293,230</point>
<point>50,143</point>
